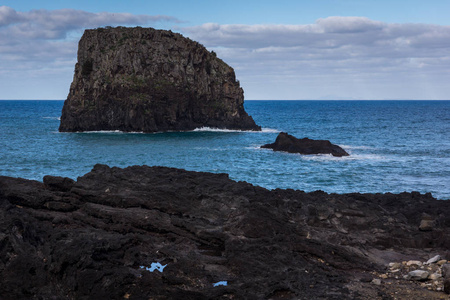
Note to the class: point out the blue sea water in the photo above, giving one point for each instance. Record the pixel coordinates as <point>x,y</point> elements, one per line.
<point>394,146</point>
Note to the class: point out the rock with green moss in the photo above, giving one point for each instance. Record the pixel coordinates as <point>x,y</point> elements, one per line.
<point>142,79</point>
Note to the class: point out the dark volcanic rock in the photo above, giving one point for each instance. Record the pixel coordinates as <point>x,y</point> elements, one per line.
<point>58,183</point>
<point>288,143</point>
<point>98,237</point>
<point>142,79</point>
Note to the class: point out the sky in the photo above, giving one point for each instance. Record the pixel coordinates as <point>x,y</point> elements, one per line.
<point>280,50</point>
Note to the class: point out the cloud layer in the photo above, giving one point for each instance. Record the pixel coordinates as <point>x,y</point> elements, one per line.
<point>55,24</point>
<point>335,57</point>
<point>350,57</point>
<point>41,45</point>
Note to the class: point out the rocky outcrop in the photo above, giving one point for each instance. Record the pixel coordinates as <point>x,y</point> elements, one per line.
<point>163,233</point>
<point>288,143</point>
<point>142,79</point>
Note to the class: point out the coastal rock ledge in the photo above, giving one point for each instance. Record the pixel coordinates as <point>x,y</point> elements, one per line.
<point>163,233</point>
<point>148,80</point>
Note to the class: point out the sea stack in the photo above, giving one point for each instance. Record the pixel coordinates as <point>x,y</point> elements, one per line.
<point>288,143</point>
<point>148,80</point>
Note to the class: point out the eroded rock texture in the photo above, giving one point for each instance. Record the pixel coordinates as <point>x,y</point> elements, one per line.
<point>97,238</point>
<point>142,79</point>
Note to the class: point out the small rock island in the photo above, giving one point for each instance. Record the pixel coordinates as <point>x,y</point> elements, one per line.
<point>288,143</point>
<point>148,80</point>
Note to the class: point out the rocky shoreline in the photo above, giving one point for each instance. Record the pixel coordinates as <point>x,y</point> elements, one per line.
<point>163,233</point>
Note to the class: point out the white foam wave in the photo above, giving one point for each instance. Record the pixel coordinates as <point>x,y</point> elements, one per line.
<point>269,130</point>
<point>111,132</point>
<point>52,118</point>
<point>211,149</point>
<point>212,129</point>
<point>351,147</point>
<point>201,129</point>
<point>325,157</point>
<point>256,147</point>
<point>351,157</point>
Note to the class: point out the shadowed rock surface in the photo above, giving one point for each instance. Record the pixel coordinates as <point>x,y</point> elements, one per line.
<point>99,237</point>
<point>142,79</point>
<point>288,143</point>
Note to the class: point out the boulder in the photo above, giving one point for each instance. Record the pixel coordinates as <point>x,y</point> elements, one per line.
<point>288,143</point>
<point>148,80</point>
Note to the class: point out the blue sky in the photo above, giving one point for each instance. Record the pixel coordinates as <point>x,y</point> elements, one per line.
<point>197,12</point>
<point>317,49</point>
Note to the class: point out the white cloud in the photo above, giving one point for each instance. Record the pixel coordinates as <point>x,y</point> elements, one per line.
<point>55,24</point>
<point>349,57</point>
<point>8,16</point>
<point>335,55</point>
<point>347,25</point>
<point>331,32</point>
<point>30,34</point>
<point>43,43</point>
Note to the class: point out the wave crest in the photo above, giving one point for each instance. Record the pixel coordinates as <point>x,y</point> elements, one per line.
<point>212,129</point>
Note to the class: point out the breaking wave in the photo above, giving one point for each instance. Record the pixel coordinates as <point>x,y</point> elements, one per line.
<point>212,129</point>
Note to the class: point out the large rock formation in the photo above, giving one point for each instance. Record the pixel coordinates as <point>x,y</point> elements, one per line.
<point>162,233</point>
<point>142,79</point>
<point>288,143</point>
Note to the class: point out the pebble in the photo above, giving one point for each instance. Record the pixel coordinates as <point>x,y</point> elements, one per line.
<point>394,266</point>
<point>442,262</point>
<point>414,262</point>
<point>376,281</point>
<point>418,275</point>
<point>433,260</point>
<point>434,276</point>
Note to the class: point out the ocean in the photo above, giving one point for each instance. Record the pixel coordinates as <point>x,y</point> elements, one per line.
<point>394,146</point>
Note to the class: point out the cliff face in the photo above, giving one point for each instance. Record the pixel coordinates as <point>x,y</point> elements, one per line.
<point>142,79</point>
